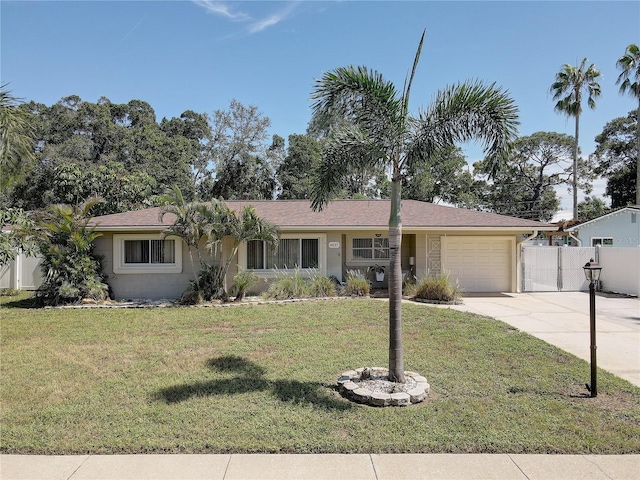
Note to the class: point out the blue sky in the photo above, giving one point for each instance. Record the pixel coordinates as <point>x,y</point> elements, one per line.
<point>199,55</point>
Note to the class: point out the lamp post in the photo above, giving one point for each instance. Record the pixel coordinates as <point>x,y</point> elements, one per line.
<point>592,272</point>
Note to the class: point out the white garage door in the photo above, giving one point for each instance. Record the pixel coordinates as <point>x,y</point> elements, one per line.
<point>479,264</point>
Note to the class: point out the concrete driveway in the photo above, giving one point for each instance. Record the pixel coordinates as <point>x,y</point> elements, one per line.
<point>562,319</point>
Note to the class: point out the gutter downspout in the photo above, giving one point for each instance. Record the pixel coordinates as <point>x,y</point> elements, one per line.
<point>576,239</point>
<point>519,272</point>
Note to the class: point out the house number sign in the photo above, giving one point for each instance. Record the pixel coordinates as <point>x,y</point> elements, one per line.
<point>334,244</point>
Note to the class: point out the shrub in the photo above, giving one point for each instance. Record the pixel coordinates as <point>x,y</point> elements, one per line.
<point>438,288</point>
<point>242,282</point>
<point>70,268</point>
<point>287,286</point>
<point>322,286</point>
<point>208,287</point>
<point>356,285</point>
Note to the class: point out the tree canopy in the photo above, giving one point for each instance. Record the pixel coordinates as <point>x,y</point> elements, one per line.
<point>616,158</point>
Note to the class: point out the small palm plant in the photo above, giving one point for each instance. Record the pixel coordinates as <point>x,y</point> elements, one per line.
<point>71,271</point>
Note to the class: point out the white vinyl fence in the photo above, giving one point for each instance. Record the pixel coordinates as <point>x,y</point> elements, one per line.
<point>21,274</point>
<point>620,270</point>
<point>559,269</point>
<point>555,269</point>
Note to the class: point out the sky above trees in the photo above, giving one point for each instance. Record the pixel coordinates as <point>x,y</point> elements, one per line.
<point>183,55</point>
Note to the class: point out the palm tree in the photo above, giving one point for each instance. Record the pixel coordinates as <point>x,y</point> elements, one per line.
<point>567,89</point>
<point>243,226</point>
<point>629,63</point>
<point>369,125</point>
<point>70,269</point>
<point>214,221</point>
<point>189,224</point>
<point>16,137</point>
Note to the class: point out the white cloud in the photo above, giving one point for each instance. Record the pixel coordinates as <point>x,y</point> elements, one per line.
<point>274,19</point>
<point>223,9</point>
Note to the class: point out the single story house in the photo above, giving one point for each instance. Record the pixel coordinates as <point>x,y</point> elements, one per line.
<point>616,229</point>
<point>479,250</point>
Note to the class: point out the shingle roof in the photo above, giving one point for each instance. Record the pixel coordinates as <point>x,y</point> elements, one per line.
<point>608,215</point>
<point>291,214</point>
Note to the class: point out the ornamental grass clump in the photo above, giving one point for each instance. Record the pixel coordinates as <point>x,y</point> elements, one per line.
<point>321,286</point>
<point>242,282</point>
<point>356,285</point>
<point>287,286</point>
<point>438,289</point>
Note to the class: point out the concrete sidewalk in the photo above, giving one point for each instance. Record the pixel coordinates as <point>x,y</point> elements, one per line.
<point>562,319</point>
<point>318,467</point>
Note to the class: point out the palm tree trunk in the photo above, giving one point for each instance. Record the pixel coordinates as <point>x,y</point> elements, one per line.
<point>396,360</point>
<point>575,170</point>
<point>638,152</point>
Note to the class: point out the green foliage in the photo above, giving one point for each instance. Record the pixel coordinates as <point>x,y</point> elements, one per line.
<point>208,286</point>
<point>70,269</point>
<point>239,165</point>
<point>214,221</point>
<point>590,208</point>
<point>117,151</point>
<point>525,187</point>
<point>242,283</point>
<point>293,174</point>
<point>19,235</point>
<point>322,286</point>
<point>356,285</point>
<point>16,139</point>
<point>287,286</point>
<point>70,183</point>
<point>629,66</point>
<point>437,288</point>
<point>444,177</point>
<point>616,158</point>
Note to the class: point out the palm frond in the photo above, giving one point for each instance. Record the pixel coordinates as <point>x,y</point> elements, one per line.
<point>569,84</point>
<point>467,111</point>
<point>629,64</point>
<point>348,149</point>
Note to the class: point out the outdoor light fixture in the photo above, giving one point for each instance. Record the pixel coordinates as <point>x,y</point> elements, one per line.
<point>592,272</point>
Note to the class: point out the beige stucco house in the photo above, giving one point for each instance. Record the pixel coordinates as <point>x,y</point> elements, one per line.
<point>479,250</point>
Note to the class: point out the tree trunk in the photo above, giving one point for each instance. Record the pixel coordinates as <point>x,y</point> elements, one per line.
<point>575,170</point>
<point>638,152</point>
<point>396,360</point>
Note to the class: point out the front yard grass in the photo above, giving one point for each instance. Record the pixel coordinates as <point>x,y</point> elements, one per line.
<point>261,379</point>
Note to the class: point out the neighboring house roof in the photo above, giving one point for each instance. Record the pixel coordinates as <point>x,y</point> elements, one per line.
<point>338,214</point>
<point>631,208</point>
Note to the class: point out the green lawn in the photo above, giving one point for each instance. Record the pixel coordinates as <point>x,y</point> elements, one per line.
<point>261,379</point>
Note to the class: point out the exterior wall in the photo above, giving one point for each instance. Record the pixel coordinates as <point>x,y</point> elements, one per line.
<point>619,225</point>
<point>335,255</point>
<point>335,259</point>
<point>152,286</point>
<point>620,270</point>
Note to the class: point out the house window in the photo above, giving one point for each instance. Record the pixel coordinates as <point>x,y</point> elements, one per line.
<point>149,251</point>
<point>291,253</point>
<point>141,253</point>
<point>602,241</point>
<point>370,248</point>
